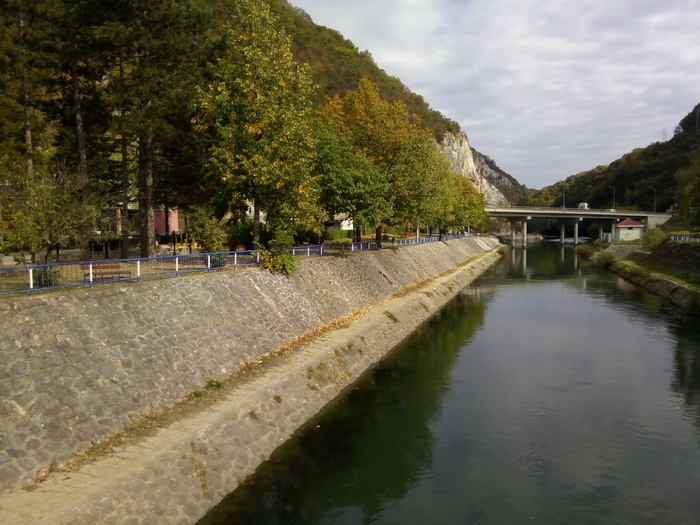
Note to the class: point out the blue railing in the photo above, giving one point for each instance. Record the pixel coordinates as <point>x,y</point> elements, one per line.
<point>29,279</point>
<point>695,237</point>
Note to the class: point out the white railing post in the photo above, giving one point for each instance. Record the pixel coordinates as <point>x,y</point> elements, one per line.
<point>235,259</point>
<point>209,261</point>
<point>177,265</point>
<point>138,269</point>
<point>31,278</point>
<point>308,251</point>
<point>91,272</point>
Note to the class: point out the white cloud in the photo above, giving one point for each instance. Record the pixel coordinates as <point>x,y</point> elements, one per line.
<point>546,89</point>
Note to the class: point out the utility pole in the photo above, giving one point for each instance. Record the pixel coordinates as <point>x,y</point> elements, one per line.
<point>614,208</point>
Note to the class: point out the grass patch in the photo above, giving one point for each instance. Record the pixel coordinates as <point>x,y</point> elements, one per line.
<point>647,269</point>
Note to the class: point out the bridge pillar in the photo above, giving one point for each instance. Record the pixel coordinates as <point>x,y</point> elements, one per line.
<point>575,233</point>
<point>512,233</point>
<point>600,232</point>
<point>562,228</point>
<point>524,233</point>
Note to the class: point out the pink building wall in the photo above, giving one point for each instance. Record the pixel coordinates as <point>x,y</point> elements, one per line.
<point>173,222</point>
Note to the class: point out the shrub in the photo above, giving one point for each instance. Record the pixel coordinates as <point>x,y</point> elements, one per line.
<point>46,276</point>
<point>333,235</point>
<point>207,230</point>
<point>605,259</point>
<point>240,233</point>
<point>653,238</point>
<point>218,260</point>
<point>278,261</point>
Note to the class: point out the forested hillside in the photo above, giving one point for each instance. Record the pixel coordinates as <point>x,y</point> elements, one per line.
<point>244,115</point>
<point>663,175</point>
<point>337,64</point>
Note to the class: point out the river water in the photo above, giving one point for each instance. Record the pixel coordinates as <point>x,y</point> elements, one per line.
<point>547,392</point>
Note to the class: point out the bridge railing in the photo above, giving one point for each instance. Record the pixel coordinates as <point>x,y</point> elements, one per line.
<point>32,278</point>
<point>560,209</point>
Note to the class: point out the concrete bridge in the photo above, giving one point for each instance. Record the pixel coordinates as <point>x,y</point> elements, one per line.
<point>574,216</point>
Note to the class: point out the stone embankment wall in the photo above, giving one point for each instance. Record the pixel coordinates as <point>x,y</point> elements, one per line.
<point>680,263</point>
<point>78,366</point>
<point>679,259</point>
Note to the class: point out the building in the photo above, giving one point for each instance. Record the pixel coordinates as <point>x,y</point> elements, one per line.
<point>628,230</point>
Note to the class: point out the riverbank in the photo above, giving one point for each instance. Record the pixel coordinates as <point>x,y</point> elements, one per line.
<point>672,270</point>
<point>175,474</point>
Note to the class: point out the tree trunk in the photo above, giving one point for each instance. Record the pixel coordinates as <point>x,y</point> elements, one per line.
<point>28,128</point>
<point>146,215</point>
<point>26,106</point>
<point>378,235</point>
<point>124,173</point>
<point>82,151</point>
<point>126,184</point>
<point>256,224</point>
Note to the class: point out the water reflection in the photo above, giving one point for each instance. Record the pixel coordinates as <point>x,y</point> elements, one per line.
<point>687,364</point>
<point>547,392</point>
<point>369,448</point>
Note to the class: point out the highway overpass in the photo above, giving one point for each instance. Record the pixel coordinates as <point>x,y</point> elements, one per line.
<point>574,216</point>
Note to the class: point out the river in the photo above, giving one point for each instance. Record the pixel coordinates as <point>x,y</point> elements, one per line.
<point>547,392</point>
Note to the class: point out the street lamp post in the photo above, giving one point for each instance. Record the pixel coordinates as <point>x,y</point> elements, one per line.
<point>563,199</point>
<point>614,208</point>
<point>654,190</point>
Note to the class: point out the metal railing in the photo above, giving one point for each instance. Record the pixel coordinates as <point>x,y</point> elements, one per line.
<point>32,278</point>
<point>685,237</point>
<point>560,209</point>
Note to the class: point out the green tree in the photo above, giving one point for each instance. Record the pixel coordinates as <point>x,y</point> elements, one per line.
<point>350,183</point>
<point>206,229</point>
<point>155,48</point>
<point>688,187</point>
<point>257,109</point>
<point>46,212</point>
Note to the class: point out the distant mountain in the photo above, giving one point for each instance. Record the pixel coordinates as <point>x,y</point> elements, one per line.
<point>638,180</point>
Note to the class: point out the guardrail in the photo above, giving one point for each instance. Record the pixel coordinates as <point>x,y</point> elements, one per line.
<point>40,277</point>
<point>560,209</point>
<point>685,237</point>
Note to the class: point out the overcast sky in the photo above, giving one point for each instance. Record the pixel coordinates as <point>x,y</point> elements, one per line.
<point>547,88</point>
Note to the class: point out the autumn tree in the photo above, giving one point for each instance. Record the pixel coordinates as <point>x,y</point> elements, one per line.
<point>257,110</point>
<point>415,175</point>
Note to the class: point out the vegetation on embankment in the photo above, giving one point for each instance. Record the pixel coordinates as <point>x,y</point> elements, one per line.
<point>671,270</point>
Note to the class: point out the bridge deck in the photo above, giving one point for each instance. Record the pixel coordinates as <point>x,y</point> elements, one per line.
<point>528,212</point>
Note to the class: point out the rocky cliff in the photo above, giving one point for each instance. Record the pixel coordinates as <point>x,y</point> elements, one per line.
<point>494,184</point>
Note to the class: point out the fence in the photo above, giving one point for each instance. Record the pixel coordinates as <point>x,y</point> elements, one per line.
<point>29,279</point>
<point>685,237</point>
